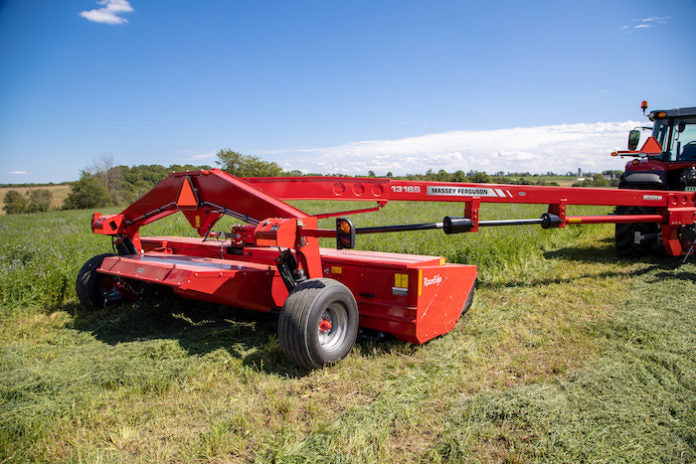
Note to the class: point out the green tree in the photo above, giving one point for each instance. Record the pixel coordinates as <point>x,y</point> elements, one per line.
<point>39,200</point>
<point>480,178</point>
<point>459,176</point>
<point>88,192</point>
<point>598,180</point>
<point>442,176</point>
<point>247,165</point>
<point>15,202</point>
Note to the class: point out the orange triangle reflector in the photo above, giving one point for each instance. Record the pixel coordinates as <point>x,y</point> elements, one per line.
<point>651,146</point>
<point>187,197</point>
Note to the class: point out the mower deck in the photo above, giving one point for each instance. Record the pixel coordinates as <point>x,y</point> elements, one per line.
<point>413,297</point>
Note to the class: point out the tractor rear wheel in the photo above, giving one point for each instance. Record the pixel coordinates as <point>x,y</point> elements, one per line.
<point>318,324</point>
<point>96,290</point>
<point>625,234</point>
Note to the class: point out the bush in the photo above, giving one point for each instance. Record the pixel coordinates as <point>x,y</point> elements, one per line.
<point>39,200</point>
<point>88,192</point>
<point>247,165</point>
<point>15,202</point>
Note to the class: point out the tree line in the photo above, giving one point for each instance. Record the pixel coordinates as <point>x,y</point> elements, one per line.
<point>103,184</point>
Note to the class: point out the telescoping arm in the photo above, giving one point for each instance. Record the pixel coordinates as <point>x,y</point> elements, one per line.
<point>673,209</point>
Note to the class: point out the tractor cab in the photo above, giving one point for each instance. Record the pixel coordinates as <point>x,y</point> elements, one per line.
<point>667,159</point>
<point>675,130</point>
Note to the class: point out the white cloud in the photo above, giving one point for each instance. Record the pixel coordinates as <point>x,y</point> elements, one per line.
<point>646,23</point>
<point>654,19</point>
<point>19,173</point>
<point>202,156</point>
<point>559,148</point>
<point>109,14</point>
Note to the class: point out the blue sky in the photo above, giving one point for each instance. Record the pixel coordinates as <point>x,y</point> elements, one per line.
<point>400,86</point>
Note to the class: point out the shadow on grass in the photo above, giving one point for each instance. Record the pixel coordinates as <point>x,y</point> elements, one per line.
<point>586,254</point>
<point>202,328</point>
<point>198,327</point>
<point>681,275</point>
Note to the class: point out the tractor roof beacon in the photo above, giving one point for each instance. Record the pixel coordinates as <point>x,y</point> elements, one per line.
<point>666,161</point>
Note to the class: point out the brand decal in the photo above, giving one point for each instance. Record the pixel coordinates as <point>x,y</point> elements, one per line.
<point>465,191</point>
<point>652,197</point>
<point>435,280</point>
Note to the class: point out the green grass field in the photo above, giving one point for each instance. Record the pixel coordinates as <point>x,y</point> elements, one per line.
<point>568,355</point>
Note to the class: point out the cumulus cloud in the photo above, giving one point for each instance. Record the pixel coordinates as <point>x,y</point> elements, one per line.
<point>19,173</point>
<point>109,13</point>
<point>558,148</point>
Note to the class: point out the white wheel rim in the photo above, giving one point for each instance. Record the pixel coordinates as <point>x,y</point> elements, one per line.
<point>332,327</point>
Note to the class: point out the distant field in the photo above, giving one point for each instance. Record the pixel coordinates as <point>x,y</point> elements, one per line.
<point>567,355</point>
<point>59,193</point>
<point>563,181</point>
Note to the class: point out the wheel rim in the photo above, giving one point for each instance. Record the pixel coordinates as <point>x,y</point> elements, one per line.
<point>332,327</point>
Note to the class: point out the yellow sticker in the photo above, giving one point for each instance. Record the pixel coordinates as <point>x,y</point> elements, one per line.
<point>336,270</point>
<point>198,222</point>
<point>442,261</point>
<point>401,280</point>
<point>420,282</point>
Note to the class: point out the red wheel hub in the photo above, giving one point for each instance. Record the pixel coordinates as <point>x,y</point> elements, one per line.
<point>325,325</point>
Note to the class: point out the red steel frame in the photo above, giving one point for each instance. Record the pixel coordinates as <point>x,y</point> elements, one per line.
<point>415,298</point>
<point>673,208</point>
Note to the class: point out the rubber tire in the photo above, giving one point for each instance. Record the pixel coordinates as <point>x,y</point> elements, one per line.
<point>88,284</point>
<point>469,301</point>
<point>624,234</point>
<point>300,317</point>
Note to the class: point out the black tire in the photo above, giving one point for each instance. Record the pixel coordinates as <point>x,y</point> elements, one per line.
<point>318,324</point>
<point>469,300</point>
<point>625,234</point>
<point>95,290</point>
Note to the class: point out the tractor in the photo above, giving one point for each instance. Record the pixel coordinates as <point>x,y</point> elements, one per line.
<point>666,161</point>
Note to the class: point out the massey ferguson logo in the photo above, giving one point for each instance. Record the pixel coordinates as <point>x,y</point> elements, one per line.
<point>454,191</point>
<point>435,280</point>
<point>652,197</point>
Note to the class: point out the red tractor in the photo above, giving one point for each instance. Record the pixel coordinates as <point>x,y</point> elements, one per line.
<point>667,161</point>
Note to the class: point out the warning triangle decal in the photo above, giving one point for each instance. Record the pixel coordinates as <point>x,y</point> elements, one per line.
<point>651,146</point>
<point>187,197</point>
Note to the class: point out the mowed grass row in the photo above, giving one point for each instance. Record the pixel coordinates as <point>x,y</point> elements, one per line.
<point>568,355</point>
